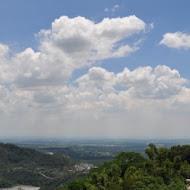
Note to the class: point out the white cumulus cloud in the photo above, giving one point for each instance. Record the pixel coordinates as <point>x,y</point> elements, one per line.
<point>87,41</point>
<point>70,44</point>
<point>176,40</point>
<point>161,82</point>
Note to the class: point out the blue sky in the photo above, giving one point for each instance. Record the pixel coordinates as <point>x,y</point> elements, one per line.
<point>48,77</point>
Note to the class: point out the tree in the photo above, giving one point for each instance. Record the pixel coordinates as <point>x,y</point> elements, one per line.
<point>152,151</point>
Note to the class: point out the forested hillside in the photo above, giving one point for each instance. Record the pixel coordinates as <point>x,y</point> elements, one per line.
<point>162,169</point>
<point>30,167</point>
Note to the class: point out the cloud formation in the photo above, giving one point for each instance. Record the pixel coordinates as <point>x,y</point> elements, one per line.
<point>91,41</point>
<point>176,40</point>
<point>70,44</point>
<point>36,91</point>
<point>145,82</point>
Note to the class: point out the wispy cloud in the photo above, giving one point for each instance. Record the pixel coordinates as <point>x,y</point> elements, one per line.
<point>113,9</point>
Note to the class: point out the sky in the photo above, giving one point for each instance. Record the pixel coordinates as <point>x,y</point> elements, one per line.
<point>101,68</point>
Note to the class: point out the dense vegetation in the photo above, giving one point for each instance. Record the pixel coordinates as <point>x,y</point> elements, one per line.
<point>162,169</point>
<point>26,166</point>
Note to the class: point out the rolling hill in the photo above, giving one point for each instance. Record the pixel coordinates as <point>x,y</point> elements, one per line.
<point>30,167</point>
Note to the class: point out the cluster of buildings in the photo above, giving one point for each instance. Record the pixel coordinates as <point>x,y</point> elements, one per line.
<point>84,167</point>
